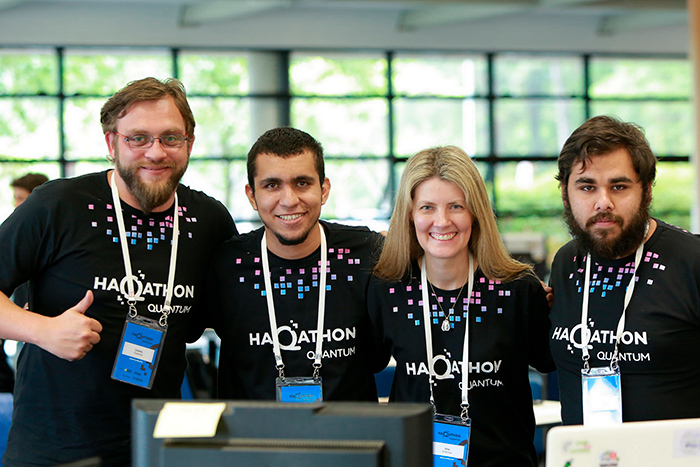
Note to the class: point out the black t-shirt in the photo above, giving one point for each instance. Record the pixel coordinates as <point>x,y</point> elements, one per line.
<point>64,240</point>
<point>7,376</point>
<point>246,363</point>
<point>508,332</point>
<point>660,346</point>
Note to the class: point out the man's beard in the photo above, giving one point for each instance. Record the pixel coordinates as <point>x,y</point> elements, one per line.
<point>293,241</point>
<point>149,196</point>
<point>628,240</point>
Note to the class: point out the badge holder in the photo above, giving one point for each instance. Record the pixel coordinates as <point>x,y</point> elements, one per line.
<point>451,436</point>
<point>602,396</point>
<point>601,391</point>
<point>299,389</point>
<point>139,351</point>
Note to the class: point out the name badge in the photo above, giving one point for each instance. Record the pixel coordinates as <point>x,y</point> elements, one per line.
<point>299,390</point>
<point>602,396</point>
<point>139,352</point>
<point>450,440</point>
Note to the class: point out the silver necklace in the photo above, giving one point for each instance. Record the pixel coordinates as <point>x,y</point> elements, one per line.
<point>445,326</point>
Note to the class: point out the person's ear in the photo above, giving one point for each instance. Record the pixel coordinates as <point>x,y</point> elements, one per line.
<point>190,143</point>
<point>325,190</point>
<point>648,200</point>
<point>251,196</point>
<point>111,140</point>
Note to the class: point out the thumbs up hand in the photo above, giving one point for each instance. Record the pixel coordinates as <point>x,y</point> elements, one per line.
<point>71,335</point>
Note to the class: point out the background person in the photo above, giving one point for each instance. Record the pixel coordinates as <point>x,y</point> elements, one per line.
<point>441,222</point>
<point>606,173</point>
<point>66,240</point>
<point>24,185</point>
<point>21,187</point>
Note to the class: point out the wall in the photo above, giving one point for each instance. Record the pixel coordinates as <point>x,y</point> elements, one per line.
<point>156,23</point>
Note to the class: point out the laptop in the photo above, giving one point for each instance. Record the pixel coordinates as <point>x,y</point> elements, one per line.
<point>663,443</point>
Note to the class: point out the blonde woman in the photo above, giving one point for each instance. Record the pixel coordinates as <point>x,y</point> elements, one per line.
<point>446,291</point>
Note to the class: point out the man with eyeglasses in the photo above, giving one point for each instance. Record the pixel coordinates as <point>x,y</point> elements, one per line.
<point>115,262</point>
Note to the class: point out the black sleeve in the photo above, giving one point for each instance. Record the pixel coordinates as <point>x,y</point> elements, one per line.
<point>381,348</point>
<point>224,229</point>
<point>25,242</point>
<point>208,315</point>
<point>538,328</point>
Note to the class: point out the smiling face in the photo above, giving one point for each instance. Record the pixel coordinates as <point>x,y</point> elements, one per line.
<point>147,178</point>
<point>288,196</point>
<point>442,221</point>
<point>606,205</point>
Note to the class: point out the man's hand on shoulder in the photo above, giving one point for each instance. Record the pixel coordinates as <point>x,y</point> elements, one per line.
<point>550,293</point>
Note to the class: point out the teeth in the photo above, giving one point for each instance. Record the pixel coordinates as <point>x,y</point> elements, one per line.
<point>290,217</point>
<point>447,236</point>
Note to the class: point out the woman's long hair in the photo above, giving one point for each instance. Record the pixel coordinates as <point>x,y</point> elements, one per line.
<point>401,246</point>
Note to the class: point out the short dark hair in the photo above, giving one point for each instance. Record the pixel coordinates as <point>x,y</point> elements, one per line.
<point>601,135</point>
<point>285,142</point>
<point>29,181</point>
<point>146,89</point>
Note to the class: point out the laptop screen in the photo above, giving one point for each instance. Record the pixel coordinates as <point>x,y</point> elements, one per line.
<point>664,443</point>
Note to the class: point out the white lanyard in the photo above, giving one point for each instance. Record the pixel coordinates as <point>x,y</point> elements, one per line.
<point>429,336</point>
<point>134,296</point>
<point>271,303</point>
<point>585,332</point>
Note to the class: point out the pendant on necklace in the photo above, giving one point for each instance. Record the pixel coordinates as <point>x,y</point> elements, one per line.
<point>445,325</point>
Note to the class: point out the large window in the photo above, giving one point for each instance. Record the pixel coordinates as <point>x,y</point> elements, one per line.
<point>370,109</point>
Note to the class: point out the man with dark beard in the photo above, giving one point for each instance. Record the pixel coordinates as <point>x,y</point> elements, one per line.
<point>292,332</point>
<point>115,262</point>
<point>626,288</point>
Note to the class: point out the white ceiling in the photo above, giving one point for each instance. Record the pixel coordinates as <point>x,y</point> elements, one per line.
<point>554,25</point>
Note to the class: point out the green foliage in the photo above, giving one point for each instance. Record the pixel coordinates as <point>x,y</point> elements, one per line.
<point>447,75</point>
<point>102,73</point>
<point>672,134</point>
<point>527,189</point>
<point>645,78</point>
<point>24,73</point>
<point>674,192</point>
<point>222,126</point>
<point>342,99</point>
<point>338,75</point>
<point>214,73</point>
<point>347,127</point>
<point>532,75</point>
<point>360,189</point>
<point>28,72</point>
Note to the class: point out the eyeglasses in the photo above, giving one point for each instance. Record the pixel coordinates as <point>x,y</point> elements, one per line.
<point>146,141</point>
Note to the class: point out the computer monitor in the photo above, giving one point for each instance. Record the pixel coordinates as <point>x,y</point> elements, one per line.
<point>264,433</point>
